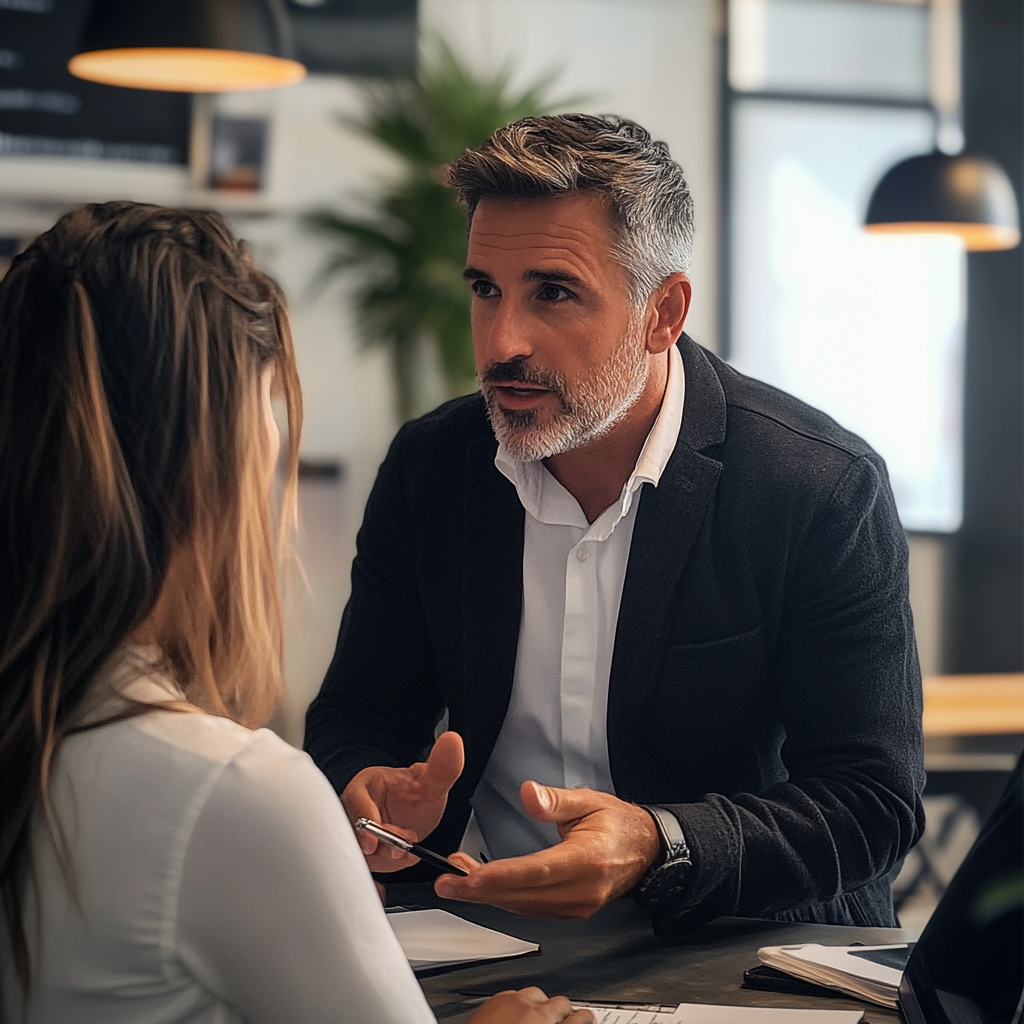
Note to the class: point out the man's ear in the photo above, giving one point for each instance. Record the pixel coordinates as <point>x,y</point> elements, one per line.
<point>669,305</point>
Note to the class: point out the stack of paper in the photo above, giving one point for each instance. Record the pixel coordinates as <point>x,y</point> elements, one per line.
<point>703,1013</point>
<point>867,972</point>
<point>434,939</point>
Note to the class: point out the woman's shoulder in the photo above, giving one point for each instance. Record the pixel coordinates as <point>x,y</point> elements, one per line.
<point>250,768</point>
<point>165,763</point>
<point>135,710</point>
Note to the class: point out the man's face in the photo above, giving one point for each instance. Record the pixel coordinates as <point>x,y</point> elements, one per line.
<point>560,350</point>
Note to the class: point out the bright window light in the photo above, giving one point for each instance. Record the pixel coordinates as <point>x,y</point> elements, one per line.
<point>867,328</point>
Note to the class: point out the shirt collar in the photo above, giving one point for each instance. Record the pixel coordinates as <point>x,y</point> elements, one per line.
<point>547,501</point>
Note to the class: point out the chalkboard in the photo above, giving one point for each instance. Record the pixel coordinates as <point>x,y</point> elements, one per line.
<point>46,111</point>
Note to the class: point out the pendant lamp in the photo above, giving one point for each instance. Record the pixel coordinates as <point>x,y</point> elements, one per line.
<point>967,196</point>
<point>187,45</point>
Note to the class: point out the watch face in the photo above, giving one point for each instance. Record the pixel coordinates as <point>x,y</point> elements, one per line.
<point>665,881</point>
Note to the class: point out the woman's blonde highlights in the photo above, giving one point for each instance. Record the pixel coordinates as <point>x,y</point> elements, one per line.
<point>133,462</point>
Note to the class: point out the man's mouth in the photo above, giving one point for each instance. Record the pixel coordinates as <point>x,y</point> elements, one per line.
<point>518,390</point>
<point>518,395</point>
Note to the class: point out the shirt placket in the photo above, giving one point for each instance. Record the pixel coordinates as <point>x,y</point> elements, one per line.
<point>579,662</point>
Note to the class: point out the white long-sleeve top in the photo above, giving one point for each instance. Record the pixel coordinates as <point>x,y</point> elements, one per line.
<point>218,881</point>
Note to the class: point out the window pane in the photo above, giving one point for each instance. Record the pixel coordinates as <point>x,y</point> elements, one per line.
<point>868,328</point>
<point>829,47</point>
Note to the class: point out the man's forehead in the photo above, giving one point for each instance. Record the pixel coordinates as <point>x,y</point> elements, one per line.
<point>577,225</point>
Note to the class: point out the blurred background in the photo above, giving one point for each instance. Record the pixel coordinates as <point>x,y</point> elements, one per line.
<point>784,115</point>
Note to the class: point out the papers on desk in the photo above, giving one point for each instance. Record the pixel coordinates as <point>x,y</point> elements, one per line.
<point>434,939</point>
<point>702,1013</point>
<point>866,972</point>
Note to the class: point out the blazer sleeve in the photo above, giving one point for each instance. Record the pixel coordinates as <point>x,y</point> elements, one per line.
<point>380,700</point>
<point>849,690</point>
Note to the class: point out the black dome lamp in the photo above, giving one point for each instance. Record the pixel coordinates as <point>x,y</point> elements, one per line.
<point>199,46</point>
<point>946,191</point>
<point>938,193</point>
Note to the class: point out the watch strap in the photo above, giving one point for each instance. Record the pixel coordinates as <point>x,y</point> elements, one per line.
<point>673,840</point>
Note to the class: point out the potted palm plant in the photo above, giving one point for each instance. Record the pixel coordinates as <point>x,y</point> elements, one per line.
<point>408,252</point>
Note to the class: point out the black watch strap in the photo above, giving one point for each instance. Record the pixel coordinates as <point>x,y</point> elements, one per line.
<point>672,839</point>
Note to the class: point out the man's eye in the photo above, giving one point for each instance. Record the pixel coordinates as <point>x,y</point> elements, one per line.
<point>483,289</point>
<point>554,293</point>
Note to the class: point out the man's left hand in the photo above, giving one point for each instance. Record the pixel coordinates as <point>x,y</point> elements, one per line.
<point>607,845</point>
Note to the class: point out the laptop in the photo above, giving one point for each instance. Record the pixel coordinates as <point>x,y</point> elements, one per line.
<point>968,965</point>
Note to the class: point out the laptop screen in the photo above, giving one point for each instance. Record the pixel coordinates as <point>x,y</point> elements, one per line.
<point>968,965</point>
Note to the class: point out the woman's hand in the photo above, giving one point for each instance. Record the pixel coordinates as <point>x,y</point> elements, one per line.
<point>529,1006</point>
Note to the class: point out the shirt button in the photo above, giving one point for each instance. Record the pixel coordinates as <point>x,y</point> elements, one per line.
<point>581,554</point>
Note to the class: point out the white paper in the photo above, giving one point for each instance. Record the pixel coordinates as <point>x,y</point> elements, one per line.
<point>435,938</point>
<point>842,958</point>
<point>703,1013</point>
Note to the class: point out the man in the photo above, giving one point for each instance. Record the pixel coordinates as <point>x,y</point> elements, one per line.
<point>664,605</point>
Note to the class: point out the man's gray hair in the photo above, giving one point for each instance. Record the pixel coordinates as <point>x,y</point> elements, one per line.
<point>538,157</point>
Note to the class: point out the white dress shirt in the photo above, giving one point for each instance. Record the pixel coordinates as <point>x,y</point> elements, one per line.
<point>555,729</point>
<point>218,882</point>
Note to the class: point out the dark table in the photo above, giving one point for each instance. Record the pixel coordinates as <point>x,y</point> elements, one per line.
<point>615,956</point>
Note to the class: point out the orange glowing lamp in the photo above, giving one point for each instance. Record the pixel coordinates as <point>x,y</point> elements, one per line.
<point>197,46</point>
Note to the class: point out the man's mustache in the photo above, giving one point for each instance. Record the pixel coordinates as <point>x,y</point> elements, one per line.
<point>518,371</point>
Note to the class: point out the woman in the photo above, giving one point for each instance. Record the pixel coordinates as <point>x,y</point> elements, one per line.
<point>159,861</point>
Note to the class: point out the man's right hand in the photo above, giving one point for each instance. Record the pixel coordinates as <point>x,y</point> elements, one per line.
<point>409,801</point>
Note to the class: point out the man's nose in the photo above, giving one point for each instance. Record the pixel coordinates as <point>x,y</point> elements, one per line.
<point>508,334</point>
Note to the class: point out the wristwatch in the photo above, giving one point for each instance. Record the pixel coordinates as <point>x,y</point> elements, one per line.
<point>672,839</point>
<point>666,878</point>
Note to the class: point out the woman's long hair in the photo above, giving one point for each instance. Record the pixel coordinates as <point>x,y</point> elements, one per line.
<point>132,345</point>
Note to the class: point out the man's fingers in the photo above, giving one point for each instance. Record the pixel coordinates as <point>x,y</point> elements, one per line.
<point>464,860</point>
<point>549,803</point>
<point>511,877</point>
<point>388,857</point>
<point>445,763</point>
<point>359,804</point>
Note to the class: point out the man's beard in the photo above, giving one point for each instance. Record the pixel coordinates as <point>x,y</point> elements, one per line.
<point>588,407</point>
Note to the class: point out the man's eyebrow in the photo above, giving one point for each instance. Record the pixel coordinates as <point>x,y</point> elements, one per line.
<point>553,275</point>
<point>560,276</point>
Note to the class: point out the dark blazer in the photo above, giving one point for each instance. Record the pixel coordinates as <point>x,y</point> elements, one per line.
<point>764,679</point>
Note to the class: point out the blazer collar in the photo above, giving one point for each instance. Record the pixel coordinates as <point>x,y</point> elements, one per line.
<point>704,414</point>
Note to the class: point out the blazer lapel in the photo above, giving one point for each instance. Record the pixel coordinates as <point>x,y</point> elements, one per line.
<point>668,523</point>
<point>492,600</point>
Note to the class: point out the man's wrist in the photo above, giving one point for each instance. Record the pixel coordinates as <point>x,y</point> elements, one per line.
<point>675,863</point>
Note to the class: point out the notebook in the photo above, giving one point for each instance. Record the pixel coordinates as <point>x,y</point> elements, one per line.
<point>865,972</point>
